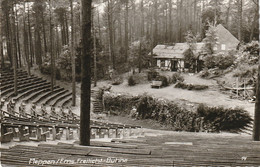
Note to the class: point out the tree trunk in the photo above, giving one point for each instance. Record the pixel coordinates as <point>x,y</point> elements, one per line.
<point>85,73</point>
<point>8,36</point>
<point>142,18</point>
<point>14,51</point>
<point>58,44</point>
<point>166,25</point>
<point>119,26</point>
<point>51,48</point>
<point>73,56</point>
<point>99,31</point>
<point>195,23</point>
<point>180,22</point>
<point>67,29</point>
<point>240,10</point>
<point>227,14</point>
<point>44,34</point>
<point>18,42</point>
<point>254,23</point>
<point>140,57</point>
<point>126,30</point>
<point>170,21</point>
<point>94,50</point>
<point>25,39</point>
<point>1,37</point>
<point>30,38</point>
<point>156,23</point>
<point>38,45</point>
<point>110,34</point>
<point>256,129</point>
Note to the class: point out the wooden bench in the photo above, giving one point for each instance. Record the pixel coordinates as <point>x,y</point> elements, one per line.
<point>60,98</point>
<point>156,84</point>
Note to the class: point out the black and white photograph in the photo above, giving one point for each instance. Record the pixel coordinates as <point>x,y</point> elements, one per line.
<point>129,83</point>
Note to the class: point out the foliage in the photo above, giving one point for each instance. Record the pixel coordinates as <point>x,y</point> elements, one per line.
<point>164,79</point>
<point>246,71</point>
<point>213,119</point>
<point>64,62</point>
<point>138,53</point>
<point>148,107</point>
<point>220,60</point>
<point>190,86</point>
<point>189,56</point>
<point>117,80</point>
<point>131,81</point>
<point>210,39</point>
<point>249,53</point>
<point>219,118</point>
<point>204,73</point>
<point>152,74</point>
<point>46,69</point>
<point>177,77</point>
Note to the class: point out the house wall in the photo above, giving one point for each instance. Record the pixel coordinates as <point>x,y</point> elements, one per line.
<point>167,64</point>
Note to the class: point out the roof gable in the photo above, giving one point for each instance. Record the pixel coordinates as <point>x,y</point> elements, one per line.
<point>224,36</point>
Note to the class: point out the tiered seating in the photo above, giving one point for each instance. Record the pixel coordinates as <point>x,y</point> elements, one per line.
<point>33,114</point>
<point>31,89</point>
<point>40,125</point>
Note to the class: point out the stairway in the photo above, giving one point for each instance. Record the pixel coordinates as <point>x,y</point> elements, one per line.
<point>96,102</point>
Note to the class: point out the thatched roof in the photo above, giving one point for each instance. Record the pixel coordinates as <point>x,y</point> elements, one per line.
<point>176,51</point>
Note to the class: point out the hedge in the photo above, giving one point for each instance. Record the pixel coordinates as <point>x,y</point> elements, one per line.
<point>211,119</point>
<point>190,86</point>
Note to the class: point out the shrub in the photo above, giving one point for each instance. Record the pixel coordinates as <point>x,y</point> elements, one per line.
<point>205,73</point>
<point>46,69</point>
<point>220,61</point>
<point>116,79</point>
<point>176,77</point>
<point>164,80</point>
<point>219,118</point>
<point>152,74</point>
<point>182,85</point>
<point>212,119</point>
<point>131,81</point>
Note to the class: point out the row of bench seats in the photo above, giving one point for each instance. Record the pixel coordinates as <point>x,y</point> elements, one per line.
<point>32,89</point>
<point>27,127</point>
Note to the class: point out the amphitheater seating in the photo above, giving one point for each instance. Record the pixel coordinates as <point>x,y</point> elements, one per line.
<point>30,88</point>
<point>26,127</point>
<point>18,123</point>
<point>66,96</point>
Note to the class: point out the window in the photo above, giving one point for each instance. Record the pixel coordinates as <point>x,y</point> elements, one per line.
<point>223,47</point>
<point>162,63</point>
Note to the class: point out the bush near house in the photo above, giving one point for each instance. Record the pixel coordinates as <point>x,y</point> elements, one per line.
<point>211,119</point>
<point>190,86</point>
<point>152,74</point>
<point>219,60</point>
<point>177,77</point>
<point>164,79</point>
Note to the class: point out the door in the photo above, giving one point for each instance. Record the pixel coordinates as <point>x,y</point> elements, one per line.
<point>174,65</point>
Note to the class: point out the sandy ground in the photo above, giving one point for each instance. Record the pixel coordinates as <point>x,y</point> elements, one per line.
<point>211,96</point>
